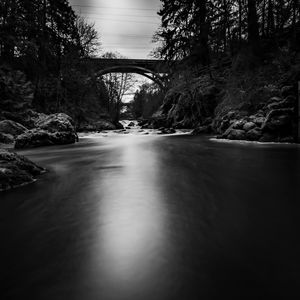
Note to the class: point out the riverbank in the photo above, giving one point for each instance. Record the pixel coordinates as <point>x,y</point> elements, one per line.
<point>245,99</point>
<point>43,130</point>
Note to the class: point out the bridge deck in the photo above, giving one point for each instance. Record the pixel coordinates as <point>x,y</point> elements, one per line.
<point>154,65</point>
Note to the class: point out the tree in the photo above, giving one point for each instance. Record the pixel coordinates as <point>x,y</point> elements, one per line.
<point>197,31</point>
<point>117,85</point>
<point>147,100</point>
<point>253,32</point>
<point>46,40</point>
<point>16,92</point>
<point>88,38</point>
<point>184,29</point>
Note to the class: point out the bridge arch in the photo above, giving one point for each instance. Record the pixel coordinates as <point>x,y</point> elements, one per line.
<point>155,77</point>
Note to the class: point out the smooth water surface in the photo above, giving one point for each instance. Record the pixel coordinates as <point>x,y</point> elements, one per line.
<point>154,217</point>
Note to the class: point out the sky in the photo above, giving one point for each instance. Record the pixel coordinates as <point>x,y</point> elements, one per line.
<point>124,26</point>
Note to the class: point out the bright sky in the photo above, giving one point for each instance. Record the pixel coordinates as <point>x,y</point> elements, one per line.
<point>125,26</point>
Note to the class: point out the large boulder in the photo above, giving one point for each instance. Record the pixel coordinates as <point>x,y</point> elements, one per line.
<point>16,170</point>
<point>39,137</point>
<point>55,129</point>
<point>279,121</point>
<point>248,126</point>
<point>287,90</point>
<point>11,127</point>
<point>288,102</point>
<point>55,123</point>
<point>237,134</point>
<point>239,124</point>
<point>6,138</point>
<point>234,134</point>
<point>254,134</point>
<point>259,121</point>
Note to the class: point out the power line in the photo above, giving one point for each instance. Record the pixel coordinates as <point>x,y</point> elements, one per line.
<point>118,15</point>
<point>131,47</point>
<point>128,36</point>
<point>110,7</point>
<point>126,21</point>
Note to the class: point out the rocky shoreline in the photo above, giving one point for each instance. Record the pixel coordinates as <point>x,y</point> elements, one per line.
<point>275,121</point>
<point>16,170</point>
<point>272,120</point>
<point>44,130</point>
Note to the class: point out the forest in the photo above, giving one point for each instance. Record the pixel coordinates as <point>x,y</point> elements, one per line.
<point>42,44</point>
<point>235,56</point>
<point>239,66</point>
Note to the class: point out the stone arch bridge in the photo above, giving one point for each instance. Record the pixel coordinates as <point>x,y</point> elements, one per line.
<point>156,70</point>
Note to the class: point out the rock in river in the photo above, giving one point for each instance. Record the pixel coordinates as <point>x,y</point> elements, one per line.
<point>6,138</point>
<point>16,170</point>
<point>235,134</point>
<point>55,129</point>
<point>12,128</point>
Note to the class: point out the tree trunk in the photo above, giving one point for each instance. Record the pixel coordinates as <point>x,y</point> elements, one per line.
<point>225,25</point>
<point>270,25</point>
<point>240,21</point>
<point>9,20</point>
<point>263,18</point>
<point>204,28</point>
<point>253,31</point>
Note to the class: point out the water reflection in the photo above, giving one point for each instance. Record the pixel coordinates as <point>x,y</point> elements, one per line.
<point>132,222</point>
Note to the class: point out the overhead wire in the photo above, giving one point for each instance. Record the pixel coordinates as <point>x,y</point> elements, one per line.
<point>118,15</point>
<point>126,21</point>
<point>110,7</point>
<point>129,36</point>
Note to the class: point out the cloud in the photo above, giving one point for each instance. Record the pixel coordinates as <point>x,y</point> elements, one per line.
<point>125,26</point>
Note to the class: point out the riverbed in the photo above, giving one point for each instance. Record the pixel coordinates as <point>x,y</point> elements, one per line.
<point>136,216</point>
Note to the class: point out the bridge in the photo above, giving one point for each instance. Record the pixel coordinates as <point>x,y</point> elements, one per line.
<point>154,69</point>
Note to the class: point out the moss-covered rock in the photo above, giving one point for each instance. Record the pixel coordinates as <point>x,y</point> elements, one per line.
<point>6,138</point>
<point>55,129</point>
<point>12,128</point>
<point>16,170</point>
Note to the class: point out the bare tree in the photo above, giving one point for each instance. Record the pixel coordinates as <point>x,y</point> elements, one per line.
<point>88,37</point>
<point>117,84</point>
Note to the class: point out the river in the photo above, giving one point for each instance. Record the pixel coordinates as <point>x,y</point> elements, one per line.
<point>154,217</point>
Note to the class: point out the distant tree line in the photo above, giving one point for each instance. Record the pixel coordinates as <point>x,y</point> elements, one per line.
<point>147,99</point>
<point>202,30</point>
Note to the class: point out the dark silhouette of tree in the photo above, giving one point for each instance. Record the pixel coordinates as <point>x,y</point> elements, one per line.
<point>147,100</point>
<point>204,30</point>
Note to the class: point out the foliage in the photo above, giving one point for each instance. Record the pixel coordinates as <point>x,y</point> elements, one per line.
<point>88,37</point>
<point>39,31</point>
<point>16,93</point>
<point>117,85</point>
<point>146,101</point>
<point>84,96</point>
<point>259,39</point>
<point>46,40</point>
<point>192,29</point>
